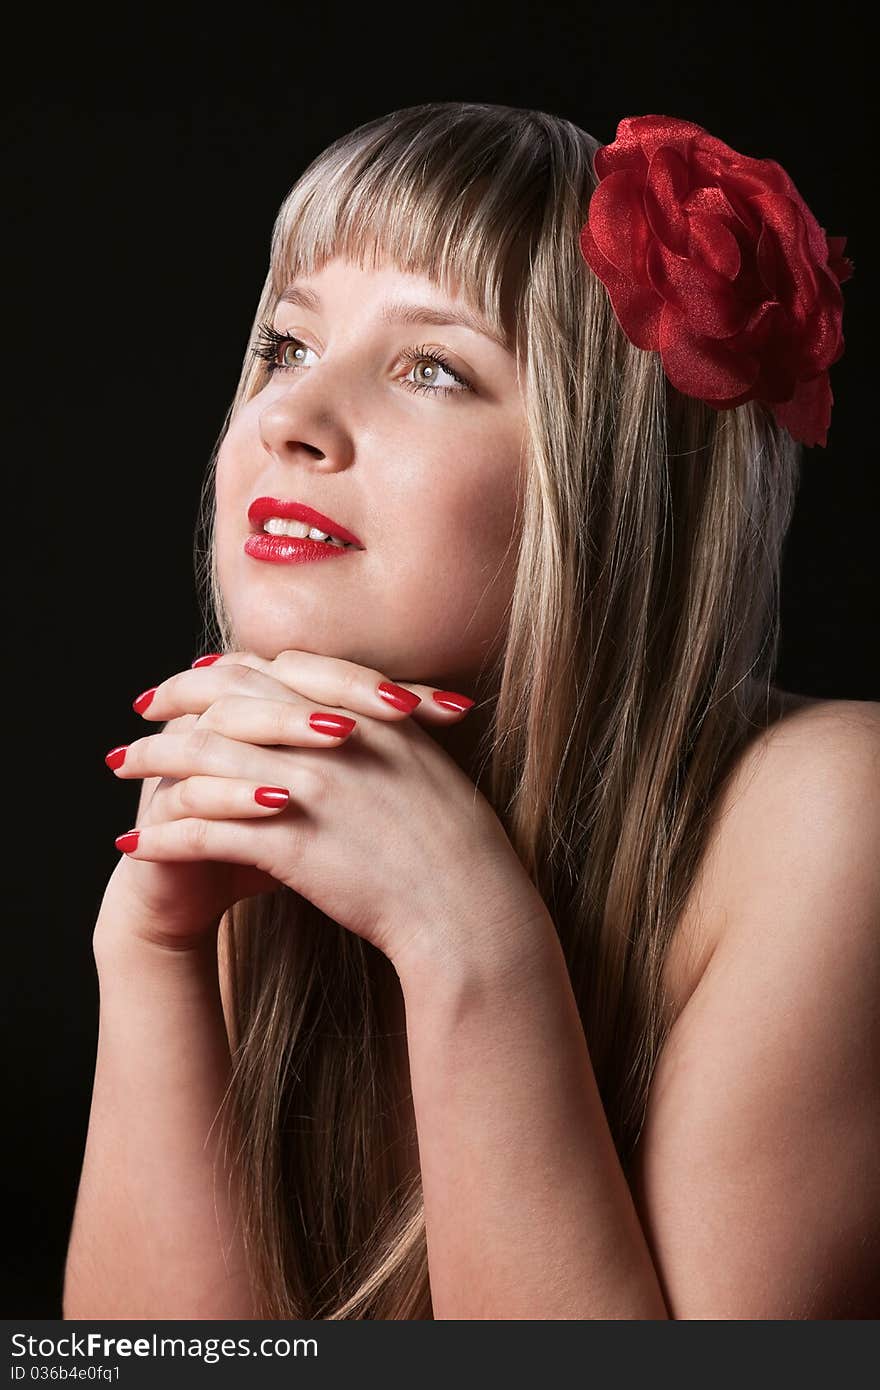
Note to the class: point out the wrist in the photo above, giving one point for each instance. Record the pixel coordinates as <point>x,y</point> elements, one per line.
<point>481,960</point>
<point>125,932</point>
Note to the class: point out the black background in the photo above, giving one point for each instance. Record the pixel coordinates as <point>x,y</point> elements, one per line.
<point>144,171</point>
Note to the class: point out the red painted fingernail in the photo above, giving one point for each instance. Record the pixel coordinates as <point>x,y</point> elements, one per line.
<point>206,660</point>
<point>140,704</point>
<point>272,796</point>
<point>398,697</point>
<point>336,724</point>
<point>128,841</point>
<point>116,757</point>
<point>450,699</point>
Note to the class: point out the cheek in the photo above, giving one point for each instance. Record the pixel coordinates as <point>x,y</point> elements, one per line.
<point>227,486</point>
<point>232,494</point>
<point>235,485</point>
<point>454,566</point>
<point>473,515</point>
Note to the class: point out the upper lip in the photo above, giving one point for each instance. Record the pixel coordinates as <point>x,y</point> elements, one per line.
<point>261,507</point>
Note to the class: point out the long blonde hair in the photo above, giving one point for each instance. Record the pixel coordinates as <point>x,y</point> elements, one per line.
<point>642,638</point>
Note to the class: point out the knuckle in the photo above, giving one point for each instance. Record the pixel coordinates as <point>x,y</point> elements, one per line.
<point>248,661</point>
<point>248,676</point>
<point>195,834</point>
<point>313,783</point>
<point>198,741</point>
<point>353,679</point>
<point>187,795</point>
<point>216,716</point>
<point>282,725</point>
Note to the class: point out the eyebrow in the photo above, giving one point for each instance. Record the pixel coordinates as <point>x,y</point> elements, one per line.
<point>399,311</point>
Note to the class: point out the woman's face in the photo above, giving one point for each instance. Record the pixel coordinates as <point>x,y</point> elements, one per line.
<point>426,479</point>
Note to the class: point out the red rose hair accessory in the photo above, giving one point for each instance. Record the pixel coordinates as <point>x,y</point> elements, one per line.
<point>714,260</point>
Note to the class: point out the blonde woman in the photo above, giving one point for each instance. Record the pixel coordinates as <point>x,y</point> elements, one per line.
<point>543,985</point>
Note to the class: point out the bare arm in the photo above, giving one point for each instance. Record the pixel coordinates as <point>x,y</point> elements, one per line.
<point>154,1233</point>
<point>528,1214</point>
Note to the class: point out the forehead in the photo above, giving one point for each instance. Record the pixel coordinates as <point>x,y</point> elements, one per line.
<point>396,295</point>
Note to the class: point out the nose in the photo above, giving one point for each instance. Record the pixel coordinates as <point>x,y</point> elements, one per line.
<point>302,425</point>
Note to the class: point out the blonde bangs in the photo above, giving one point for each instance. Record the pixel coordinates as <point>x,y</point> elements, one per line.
<point>456,210</point>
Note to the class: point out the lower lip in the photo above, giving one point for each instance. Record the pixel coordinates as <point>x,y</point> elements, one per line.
<point>290,550</point>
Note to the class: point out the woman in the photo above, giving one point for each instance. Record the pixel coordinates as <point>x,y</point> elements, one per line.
<point>551,997</point>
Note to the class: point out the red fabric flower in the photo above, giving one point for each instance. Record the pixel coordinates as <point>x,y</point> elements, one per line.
<point>714,260</point>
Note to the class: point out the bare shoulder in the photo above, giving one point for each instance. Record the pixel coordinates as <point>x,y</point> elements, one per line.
<point>803,787</point>
<point>755,1176</point>
<point>813,734</point>
<point>801,804</point>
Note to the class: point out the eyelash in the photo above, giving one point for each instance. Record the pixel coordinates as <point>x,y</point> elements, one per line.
<point>269,340</point>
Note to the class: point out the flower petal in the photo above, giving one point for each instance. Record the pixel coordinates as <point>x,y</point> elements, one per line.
<point>796,275</point>
<point>807,415</point>
<point>839,264</point>
<point>705,297</point>
<point>715,245</point>
<point>666,189</point>
<point>637,307</point>
<point>700,366</point>
<point>618,226</point>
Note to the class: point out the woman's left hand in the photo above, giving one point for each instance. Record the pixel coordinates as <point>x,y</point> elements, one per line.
<point>384,833</point>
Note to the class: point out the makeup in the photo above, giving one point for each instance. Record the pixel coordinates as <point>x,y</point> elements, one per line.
<point>263,509</point>
<point>290,550</point>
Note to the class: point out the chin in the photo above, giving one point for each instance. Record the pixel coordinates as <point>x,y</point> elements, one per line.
<point>257,633</point>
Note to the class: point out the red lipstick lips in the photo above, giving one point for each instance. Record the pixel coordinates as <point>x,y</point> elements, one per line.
<point>262,507</point>
<point>293,550</point>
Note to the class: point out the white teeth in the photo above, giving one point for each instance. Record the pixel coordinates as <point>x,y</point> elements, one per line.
<point>286,526</point>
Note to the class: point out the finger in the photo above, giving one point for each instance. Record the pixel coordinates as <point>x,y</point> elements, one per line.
<point>295,675</point>
<point>439,706</point>
<point>224,841</point>
<point>335,681</point>
<point>318,726</point>
<point>197,751</point>
<point>201,689</point>
<point>194,690</point>
<point>218,798</point>
<point>282,722</point>
<point>226,740</point>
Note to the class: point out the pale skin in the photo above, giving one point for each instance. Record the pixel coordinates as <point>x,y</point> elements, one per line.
<point>755,1191</point>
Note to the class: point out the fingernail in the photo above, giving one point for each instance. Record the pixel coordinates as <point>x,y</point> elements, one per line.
<point>450,699</point>
<point>206,660</point>
<point>116,757</point>
<point>398,697</point>
<point>128,841</point>
<point>272,796</point>
<point>338,725</point>
<point>140,704</point>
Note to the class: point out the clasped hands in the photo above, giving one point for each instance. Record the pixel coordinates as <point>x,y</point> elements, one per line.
<point>383,831</point>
